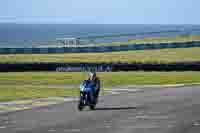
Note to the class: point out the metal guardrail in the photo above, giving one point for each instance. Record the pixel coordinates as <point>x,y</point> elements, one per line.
<point>100,67</point>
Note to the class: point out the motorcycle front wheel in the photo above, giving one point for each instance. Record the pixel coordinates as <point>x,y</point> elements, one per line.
<point>80,106</point>
<point>92,107</point>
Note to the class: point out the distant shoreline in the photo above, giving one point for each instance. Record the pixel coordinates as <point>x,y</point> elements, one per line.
<point>147,40</point>
<point>156,40</point>
<point>24,35</point>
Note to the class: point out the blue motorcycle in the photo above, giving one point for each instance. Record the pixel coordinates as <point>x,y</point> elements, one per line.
<point>87,97</point>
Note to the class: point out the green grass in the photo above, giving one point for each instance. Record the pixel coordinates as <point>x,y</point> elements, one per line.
<point>25,85</point>
<point>141,56</point>
<point>19,92</point>
<point>156,40</point>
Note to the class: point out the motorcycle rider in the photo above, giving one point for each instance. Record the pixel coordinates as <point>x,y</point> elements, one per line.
<point>94,82</point>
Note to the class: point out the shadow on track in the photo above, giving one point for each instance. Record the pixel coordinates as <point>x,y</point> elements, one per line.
<point>118,108</point>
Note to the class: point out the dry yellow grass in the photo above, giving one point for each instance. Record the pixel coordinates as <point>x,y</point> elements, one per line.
<point>142,56</point>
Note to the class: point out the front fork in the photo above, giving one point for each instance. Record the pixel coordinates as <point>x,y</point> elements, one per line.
<point>86,99</point>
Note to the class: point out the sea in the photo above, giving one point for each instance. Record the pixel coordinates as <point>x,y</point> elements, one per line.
<point>29,35</point>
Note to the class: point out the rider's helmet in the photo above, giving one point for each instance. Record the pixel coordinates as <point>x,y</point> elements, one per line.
<point>92,75</point>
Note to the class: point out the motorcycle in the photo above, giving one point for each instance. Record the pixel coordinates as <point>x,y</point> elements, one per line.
<point>87,97</point>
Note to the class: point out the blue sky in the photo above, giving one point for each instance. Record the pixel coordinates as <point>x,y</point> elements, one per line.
<point>101,11</point>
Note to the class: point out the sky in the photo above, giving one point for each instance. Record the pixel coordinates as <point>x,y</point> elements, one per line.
<point>101,11</point>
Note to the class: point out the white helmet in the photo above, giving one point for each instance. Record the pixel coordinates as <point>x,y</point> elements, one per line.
<point>92,74</point>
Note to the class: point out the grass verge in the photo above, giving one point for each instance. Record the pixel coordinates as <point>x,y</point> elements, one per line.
<point>15,86</point>
<point>13,92</point>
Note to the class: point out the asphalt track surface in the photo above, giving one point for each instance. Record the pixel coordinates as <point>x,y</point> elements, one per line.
<point>166,110</point>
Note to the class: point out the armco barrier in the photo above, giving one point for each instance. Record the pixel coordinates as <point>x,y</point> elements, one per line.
<point>98,48</point>
<point>59,67</point>
<point>76,67</point>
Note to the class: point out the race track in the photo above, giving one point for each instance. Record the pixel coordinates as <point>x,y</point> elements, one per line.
<point>166,110</point>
